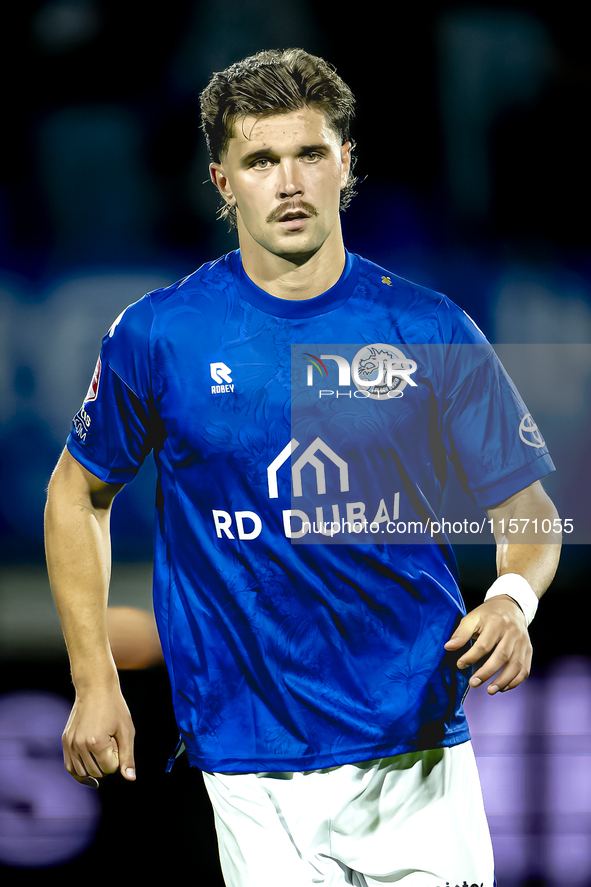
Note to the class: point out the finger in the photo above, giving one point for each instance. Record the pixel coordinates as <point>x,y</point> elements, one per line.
<point>86,780</point>
<point>511,676</point>
<point>516,681</point>
<point>94,757</point>
<point>105,759</point>
<point>76,767</point>
<point>124,740</point>
<point>67,757</point>
<point>90,781</point>
<point>456,642</point>
<point>492,637</point>
<point>515,662</point>
<point>480,649</point>
<point>472,656</point>
<point>466,630</point>
<point>496,661</point>
<point>74,764</point>
<point>504,683</point>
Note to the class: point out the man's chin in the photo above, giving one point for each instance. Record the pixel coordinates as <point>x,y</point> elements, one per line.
<point>296,249</point>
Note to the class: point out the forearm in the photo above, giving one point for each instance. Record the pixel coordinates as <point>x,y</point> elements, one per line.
<point>535,562</point>
<point>79,561</point>
<point>498,627</point>
<point>522,546</point>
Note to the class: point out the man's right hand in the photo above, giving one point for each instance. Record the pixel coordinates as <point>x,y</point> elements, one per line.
<point>98,738</point>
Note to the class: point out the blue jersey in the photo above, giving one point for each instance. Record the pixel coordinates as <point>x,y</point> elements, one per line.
<point>297,442</point>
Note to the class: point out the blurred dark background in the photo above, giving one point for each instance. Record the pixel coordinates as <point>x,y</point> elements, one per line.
<point>473,148</point>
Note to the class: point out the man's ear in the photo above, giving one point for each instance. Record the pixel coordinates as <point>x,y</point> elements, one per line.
<point>346,161</point>
<point>220,180</point>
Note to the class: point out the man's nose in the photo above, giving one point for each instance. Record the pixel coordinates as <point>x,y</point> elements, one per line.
<point>290,183</point>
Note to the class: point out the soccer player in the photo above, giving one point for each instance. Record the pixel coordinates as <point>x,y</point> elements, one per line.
<point>306,596</point>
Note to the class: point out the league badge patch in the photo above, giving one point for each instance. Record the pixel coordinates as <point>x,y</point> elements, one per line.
<point>92,392</point>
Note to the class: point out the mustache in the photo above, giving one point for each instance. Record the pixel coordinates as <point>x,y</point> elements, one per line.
<point>303,207</point>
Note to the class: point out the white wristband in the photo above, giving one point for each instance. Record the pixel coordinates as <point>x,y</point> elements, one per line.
<point>518,588</point>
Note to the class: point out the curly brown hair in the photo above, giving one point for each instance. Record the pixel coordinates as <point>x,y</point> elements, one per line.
<point>271,82</point>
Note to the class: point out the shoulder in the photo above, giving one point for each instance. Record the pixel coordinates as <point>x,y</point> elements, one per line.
<point>135,325</point>
<point>207,282</point>
<point>419,310</point>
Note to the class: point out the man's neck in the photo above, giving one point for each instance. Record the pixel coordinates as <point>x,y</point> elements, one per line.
<point>298,277</point>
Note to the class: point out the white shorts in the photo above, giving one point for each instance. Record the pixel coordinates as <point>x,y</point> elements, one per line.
<point>417,819</point>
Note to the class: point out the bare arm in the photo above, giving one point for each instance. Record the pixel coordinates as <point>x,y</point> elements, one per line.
<point>498,626</point>
<point>98,738</point>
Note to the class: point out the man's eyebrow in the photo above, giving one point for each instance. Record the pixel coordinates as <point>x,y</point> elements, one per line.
<point>317,148</point>
<point>270,152</point>
<point>253,155</point>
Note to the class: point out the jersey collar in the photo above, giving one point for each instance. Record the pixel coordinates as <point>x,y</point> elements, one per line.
<point>333,298</point>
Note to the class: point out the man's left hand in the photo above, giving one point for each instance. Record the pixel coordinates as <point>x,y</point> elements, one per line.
<point>498,628</point>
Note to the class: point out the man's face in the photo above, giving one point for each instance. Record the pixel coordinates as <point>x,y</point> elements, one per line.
<point>284,174</point>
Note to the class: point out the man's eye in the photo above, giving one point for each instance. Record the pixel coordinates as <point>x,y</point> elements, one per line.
<point>261,163</point>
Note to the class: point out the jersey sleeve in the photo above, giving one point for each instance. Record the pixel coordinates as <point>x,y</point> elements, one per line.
<point>113,431</point>
<point>489,434</point>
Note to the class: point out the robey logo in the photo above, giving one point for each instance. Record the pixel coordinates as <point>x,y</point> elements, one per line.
<point>220,373</point>
<point>356,515</point>
<point>378,372</point>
